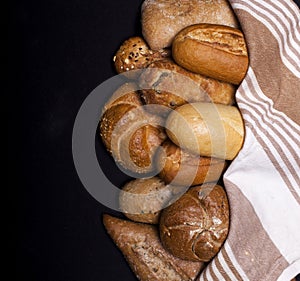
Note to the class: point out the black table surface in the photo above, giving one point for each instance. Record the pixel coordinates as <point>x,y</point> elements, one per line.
<point>60,51</point>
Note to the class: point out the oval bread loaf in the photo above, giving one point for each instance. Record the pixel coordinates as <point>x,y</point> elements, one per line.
<point>165,83</point>
<point>216,51</point>
<point>163,19</point>
<point>212,130</point>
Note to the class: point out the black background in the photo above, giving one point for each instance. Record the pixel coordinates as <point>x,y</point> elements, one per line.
<point>60,50</point>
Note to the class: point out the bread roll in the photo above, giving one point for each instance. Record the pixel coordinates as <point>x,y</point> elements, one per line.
<point>216,51</point>
<point>166,83</point>
<point>163,19</point>
<point>196,225</point>
<point>141,200</point>
<point>129,133</point>
<point>134,54</point>
<point>141,246</point>
<point>180,167</point>
<point>211,130</point>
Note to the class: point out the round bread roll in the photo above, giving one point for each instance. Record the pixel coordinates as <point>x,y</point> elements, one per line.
<point>135,54</point>
<point>216,51</point>
<point>180,167</point>
<point>142,200</point>
<point>211,130</point>
<point>163,19</point>
<point>165,83</point>
<point>129,133</point>
<point>196,225</point>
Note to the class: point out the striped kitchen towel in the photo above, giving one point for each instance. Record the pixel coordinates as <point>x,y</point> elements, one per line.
<point>263,182</point>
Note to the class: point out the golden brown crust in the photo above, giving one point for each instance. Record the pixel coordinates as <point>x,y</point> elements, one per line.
<point>166,83</point>
<point>129,133</point>
<point>196,225</point>
<point>142,200</point>
<point>163,19</point>
<point>213,50</point>
<point>135,54</point>
<point>180,167</point>
<point>141,246</point>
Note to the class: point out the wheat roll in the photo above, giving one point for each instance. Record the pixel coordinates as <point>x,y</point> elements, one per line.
<point>212,130</point>
<point>216,51</point>
<point>163,19</point>
<point>142,199</point>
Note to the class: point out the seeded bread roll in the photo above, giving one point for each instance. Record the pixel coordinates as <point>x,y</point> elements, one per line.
<point>129,133</point>
<point>165,83</point>
<point>216,51</point>
<point>135,54</point>
<point>196,225</point>
<point>142,200</point>
<point>180,167</point>
<point>163,19</point>
<point>211,130</point>
<point>141,246</point>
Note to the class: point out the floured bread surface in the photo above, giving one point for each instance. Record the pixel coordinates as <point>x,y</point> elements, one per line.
<point>163,19</point>
<point>141,246</point>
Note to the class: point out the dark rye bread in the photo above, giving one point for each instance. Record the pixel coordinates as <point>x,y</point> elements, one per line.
<point>140,244</point>
<point>196,225</point>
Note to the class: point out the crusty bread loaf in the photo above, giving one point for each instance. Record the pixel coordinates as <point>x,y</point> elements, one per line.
<point>141,246</point>
<point>142,200</point>
<point>211,130</point>
<point>131,134</point>
<point>163,19</point>
<point>134,54</point>
<point>165,83</point>
<point>180,167</point>
<point>216,51</point>
<point>196,225</point>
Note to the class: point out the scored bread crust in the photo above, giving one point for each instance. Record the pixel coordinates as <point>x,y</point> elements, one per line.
<point>216,51</point>
<point>163,19</point>
<point>129,133</point>
<point>141,246</point>
<point>196,225</point>
<point>166,83</point>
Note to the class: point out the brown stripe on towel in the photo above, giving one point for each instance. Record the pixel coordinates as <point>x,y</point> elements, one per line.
<point>230,265</point>
<point>254,256</point>
<point>273,76</point>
